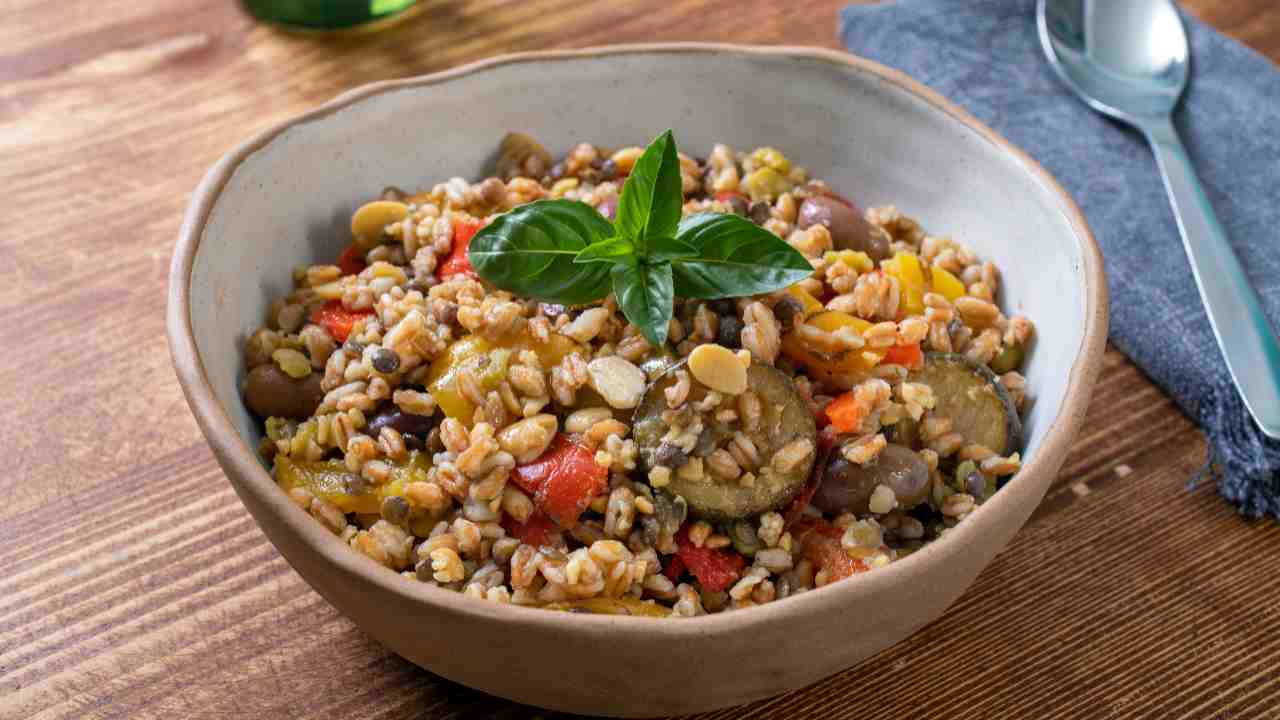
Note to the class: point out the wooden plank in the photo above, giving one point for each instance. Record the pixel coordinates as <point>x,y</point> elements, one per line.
<point>135,585</point>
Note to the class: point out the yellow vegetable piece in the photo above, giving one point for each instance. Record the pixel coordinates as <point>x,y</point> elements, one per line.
<point>839,366</point>
<point>946,284</point>
<point>856,259</point>
<point>765,184</point>
<point>905,266</point>
<point>612,606</point>
<point>812,306</point>
<point>330,480</point>
<point>325,479</point>
<point>368,223</point>
<point>771,158</point>
<point>488,362</point>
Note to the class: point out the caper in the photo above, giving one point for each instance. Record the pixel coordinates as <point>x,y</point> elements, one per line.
<point>386,361</point>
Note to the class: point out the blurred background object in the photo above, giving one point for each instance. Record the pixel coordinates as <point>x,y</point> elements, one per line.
<point>328,14</point>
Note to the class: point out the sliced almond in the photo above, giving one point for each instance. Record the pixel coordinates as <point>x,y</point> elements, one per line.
<point>717,367</point>
<point>370,221</point>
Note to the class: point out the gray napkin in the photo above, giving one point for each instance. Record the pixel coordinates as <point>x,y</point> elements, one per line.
<point>985,55</point>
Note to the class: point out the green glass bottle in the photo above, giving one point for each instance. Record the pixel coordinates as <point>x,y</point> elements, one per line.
<point>326,14</point>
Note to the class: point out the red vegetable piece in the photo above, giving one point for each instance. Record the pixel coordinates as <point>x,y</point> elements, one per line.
<point>909,356</point>
<point>537,530</point>
<point>336,319</point>
<point>845,414</point>
<point>351,261</point>
<point>674,569</point>
<point>563,480</point>
<point>716,568</point>
<point>820,543</point>
<point>458,263</point>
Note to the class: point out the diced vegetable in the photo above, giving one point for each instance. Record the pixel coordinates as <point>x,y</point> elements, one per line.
<point>844,413</point>
<point>675,569</point>
<point>351,261</point>
<point>905,266</point>
<point>330,480</point>
<point>970,395</point>
<point>854,259</point>
<point>812,306</point>
<point>458,263</point>
<point>820,543</point>
<point>946,284</point>
<point>488,362</point>
<point>715,568</point>
<point>785,418</point>
<point>909,356</point>
<point>563,480</point>
<point>840,367</point>
<point>338,320</point>
<point>538,530</point>
<point>635,607</point>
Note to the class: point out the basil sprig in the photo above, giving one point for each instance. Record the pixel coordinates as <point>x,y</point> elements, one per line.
<point>563,251</point>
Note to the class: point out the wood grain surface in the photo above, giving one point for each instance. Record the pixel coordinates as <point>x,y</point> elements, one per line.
<point>134,585</point>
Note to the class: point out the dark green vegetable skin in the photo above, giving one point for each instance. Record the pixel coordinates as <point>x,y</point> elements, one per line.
<point>971,395</point>
<point>786,418</point>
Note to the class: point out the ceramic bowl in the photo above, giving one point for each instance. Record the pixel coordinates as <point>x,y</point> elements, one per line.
<point>284,198</point>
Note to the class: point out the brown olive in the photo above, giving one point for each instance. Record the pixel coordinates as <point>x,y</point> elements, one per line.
<point>269,392</point>
<point>520,155</point>
<point>760,212</point>
<point>849,230</point>
<point>847,486</point>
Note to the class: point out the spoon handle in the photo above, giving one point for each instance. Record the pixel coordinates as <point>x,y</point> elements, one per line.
<point>1247,341</point>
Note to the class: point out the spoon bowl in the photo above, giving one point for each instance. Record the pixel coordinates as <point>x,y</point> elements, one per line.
<point>1130,59</point>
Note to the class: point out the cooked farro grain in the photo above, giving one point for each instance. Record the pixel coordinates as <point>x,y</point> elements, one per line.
<point>498,446</point>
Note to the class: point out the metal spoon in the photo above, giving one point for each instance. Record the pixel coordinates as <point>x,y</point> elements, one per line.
<point>1129,59</point>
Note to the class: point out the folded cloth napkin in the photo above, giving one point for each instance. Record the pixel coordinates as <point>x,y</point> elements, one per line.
<point>985,55</point>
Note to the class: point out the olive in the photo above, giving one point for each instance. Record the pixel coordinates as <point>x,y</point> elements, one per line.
<point>729,334</point>
<point>847,486</point>
<point>395,510</point>
<point>669,455</point>
<point>737,204</point>
<point>520,155</point>
<point>849,230</point>
<point>723,306</point>
<point>608,170</point>
<point>760,212</point>
<point>389,415</point>
<point>269,392</point>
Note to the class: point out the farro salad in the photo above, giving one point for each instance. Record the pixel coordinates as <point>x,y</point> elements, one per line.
<point>634,382</point>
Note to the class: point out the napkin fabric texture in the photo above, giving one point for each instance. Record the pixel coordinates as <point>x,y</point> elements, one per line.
<point>986,56</point>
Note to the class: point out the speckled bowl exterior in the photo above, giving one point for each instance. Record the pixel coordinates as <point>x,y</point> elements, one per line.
<point>284,198</point>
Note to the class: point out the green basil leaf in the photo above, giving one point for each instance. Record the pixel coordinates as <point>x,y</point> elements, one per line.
<point>645,295</point>
<point>529,251</point>
<point>736,258</point>
<point>669,248</point>
<point>612,250</point>
<point>653,195</point>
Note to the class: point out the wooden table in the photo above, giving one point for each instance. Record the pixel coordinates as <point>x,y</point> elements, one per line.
<point>134,585</point>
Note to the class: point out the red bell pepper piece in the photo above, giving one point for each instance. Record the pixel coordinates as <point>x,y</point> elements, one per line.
<point>909,356</point>
<point>458,263</point>
<point>820,543</point>
<point>716,568</point>
<point>674,569</point>
<point>845,414</point>
<point>563,480</point>
<point>351,261</point>
<point>336,319</point>
<point>537,530</point>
